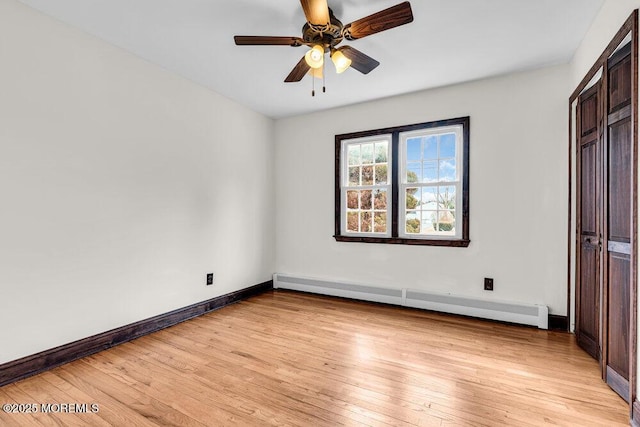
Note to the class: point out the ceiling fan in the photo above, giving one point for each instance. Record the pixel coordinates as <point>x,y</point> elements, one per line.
<point>323,32</point>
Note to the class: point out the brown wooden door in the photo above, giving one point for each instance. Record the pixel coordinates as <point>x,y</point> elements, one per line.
<point>618,195</point>
<point>589,165</point>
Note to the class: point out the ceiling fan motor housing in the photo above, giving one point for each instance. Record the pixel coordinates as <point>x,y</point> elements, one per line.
<point>329,35</point>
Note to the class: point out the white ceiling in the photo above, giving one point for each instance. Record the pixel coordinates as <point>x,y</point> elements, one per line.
<point>450,41</point>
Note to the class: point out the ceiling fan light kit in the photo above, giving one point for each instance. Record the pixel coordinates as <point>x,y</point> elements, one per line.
<point>340,61</point>
<point>323,32</point>
<point>315,56</point>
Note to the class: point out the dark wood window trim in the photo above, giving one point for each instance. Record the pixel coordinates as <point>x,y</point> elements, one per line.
<point>395,142</point>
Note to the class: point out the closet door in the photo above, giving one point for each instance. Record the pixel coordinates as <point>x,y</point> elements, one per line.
<point>588,284</point>
<point>618,225</point>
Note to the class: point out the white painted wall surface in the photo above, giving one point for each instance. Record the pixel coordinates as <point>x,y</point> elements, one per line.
<point>518,201</point>
<point>121,186</point>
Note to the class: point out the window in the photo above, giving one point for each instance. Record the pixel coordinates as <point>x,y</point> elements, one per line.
<point>367,192</point>
<point>407,185</point>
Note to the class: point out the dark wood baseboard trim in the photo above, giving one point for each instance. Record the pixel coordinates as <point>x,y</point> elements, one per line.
<point>635,414</point>
<point>36,363</point>
<point>558,323</point>
<point>618,383</point>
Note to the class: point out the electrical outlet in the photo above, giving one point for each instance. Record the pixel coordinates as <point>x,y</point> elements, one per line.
<point>488,284</point>
<point>209,279</point>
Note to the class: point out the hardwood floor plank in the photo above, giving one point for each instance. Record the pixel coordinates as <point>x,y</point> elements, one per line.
<point>66,393</point>
<point>390,376</point>
<point>157,384</point>
<point>40,393</point>
<point>231,393</point>
<point>294,359</point>
<point>117,405</point>
<point>262,378</point>
<point>10,419</point>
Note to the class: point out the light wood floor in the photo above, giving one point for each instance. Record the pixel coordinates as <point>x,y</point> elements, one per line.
<point>286,358</point>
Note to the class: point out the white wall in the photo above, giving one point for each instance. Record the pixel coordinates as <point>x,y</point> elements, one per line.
<point>518,193</point>
<point>121,186</point>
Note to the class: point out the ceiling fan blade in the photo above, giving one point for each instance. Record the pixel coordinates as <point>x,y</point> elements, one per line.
<point>361,62</point>
<point>316,11</point>
<point>298,72</point>
<point>392,17</point>
<point>268,40</point>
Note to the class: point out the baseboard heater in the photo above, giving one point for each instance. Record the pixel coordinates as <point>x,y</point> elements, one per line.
<point>525,314</point>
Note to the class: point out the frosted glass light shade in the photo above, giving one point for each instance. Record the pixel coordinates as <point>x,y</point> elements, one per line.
<point>340,61</point>
<point>316,72</point>
<point>315,56</point>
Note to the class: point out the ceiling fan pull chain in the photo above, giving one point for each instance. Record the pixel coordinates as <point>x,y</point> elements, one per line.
<point>313,86</point>
<point>324,89</point>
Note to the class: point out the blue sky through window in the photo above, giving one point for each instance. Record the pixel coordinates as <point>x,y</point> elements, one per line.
<point>432,158</point>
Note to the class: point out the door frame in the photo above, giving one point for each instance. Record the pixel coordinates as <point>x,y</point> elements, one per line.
<point>630,26</point>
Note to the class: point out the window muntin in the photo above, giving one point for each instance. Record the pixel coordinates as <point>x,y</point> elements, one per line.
<point>366,186</point>
<point>424,197</point>
<point>430,188</point>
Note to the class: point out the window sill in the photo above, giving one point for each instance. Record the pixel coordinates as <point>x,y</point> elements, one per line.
<point>458,243</point>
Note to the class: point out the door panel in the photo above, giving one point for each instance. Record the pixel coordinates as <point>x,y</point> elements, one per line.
<point>588,283</point>
<point>618,350</point>
<point>588,201</point>
<point>618,197</point>
<point>620,181</point>
<point>589,332</point>
<point>617,369</point>
<point>589,111</point>
<point>620,80</point>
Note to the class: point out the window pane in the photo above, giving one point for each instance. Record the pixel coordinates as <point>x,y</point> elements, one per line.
<point>446,221</point>
<point>414,172</point>
<point>382,152</point>
<point>412,222</point>
<point>367,175</point>
<point>352,221</point>
<point>430,198</point>
<point>380,222</point>
<point>447,197</point>
<point>429,219</point>
<point>352,199</point>
<point>448,145</point>
<point>365,222</point>
<point>354,175</point>
<point>367,153</point>
<point>431,147</point>
<point>381,174</point>
<point>448,170</point>
<point>414,146</point>
<point>380,200</point>
<point>430,170</point>
<point>412,200</point>
<point>353,154</point>
<point>365,200</point>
